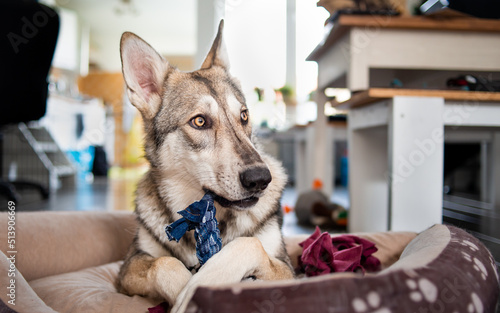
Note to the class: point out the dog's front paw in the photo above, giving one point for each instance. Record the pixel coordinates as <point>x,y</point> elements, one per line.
<point>227,266</point>
<point>242,258</point>
<point>183,299</point>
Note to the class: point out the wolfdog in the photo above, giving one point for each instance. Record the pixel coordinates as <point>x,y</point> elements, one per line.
<point>198,139</point>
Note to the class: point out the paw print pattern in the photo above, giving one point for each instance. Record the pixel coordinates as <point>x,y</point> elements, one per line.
<point>467,256</point>
<point>479,266</point>
<point>471,245</point>
<point>476,305</point>
<point>422,289</point>
<point>370,305</point>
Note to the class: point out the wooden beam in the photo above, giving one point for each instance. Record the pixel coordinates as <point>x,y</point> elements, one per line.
<point>468,24</point>
<point>346,22</point>
<point>371,95</point>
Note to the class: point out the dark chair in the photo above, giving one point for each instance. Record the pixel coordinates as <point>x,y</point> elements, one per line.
<point>28,36</point>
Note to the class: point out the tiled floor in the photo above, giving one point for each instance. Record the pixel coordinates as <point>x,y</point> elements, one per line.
<point>117,193</point>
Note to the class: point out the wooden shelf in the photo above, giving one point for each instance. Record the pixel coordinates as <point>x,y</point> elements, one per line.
<point>345,22</point>
<point>371,95</point>
<point>421,22</point>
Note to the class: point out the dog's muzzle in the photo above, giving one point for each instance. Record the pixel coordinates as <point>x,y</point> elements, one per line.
<point>254,180</point>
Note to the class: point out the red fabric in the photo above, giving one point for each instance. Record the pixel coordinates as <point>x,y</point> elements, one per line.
<point>323,254</point>
<point>160,308</point>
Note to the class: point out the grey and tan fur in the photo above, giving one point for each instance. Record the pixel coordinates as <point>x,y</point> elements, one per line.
<point>199,138</point>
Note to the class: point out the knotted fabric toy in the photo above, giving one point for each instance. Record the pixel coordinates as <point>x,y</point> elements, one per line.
<point>199,216</point>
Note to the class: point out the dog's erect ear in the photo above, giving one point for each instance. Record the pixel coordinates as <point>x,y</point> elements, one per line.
<point>217,56</point>
<point>144,71</point>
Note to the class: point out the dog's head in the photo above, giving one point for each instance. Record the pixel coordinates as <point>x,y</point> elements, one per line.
<point>198,130</point>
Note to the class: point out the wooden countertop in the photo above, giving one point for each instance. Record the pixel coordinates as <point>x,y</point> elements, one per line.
<point>371,95</point>
<point>345,22</point>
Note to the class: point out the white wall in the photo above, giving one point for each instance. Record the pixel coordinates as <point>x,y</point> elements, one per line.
<point>105,47</point>
<point>67,53</point>
<point>168,25</point>
<point>255,34</point>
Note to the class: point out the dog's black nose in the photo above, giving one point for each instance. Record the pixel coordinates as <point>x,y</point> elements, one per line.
<point>255,178</point>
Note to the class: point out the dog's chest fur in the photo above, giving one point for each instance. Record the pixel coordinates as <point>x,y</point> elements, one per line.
<point>154,214</point>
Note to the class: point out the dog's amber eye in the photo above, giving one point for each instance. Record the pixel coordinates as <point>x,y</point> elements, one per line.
<point>244,116</point>
<point>198,121</point>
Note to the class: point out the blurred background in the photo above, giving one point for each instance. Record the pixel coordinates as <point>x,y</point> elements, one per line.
<point>99,132</point>
<point>83,150</point>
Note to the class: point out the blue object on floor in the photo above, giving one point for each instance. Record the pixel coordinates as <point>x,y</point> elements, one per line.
<point>199,216</point>
<point>344,171</point>
<point>83,160</point>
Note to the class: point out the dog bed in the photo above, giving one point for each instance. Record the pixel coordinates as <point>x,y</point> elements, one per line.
<point>444,269</point>
<point>68,262</point>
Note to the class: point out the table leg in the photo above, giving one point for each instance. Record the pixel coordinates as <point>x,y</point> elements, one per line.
<point>320,152</point>
<point>368,184</point>
<point>495,170</point>
<point>416,133</point>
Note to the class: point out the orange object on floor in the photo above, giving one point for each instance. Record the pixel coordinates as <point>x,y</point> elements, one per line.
<point>317,184</point>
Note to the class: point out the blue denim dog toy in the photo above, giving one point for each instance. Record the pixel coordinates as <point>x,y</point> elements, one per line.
<point>199,216</point>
